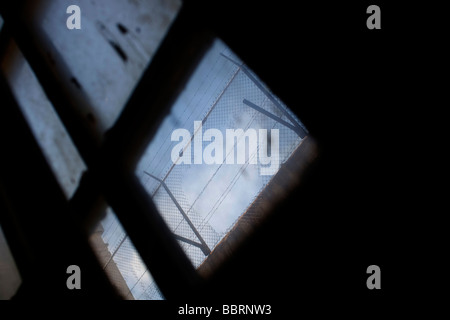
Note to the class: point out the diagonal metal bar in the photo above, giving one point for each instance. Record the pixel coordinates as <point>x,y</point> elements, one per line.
<point>297,130</point>
<point>204,247</point>
<point>34,247</point>
<point>189,241</point>
<point>300,130</point>
<point>204,120</point>
<point>147,230</point>
<point>86,137</point>
<point>169,265</point>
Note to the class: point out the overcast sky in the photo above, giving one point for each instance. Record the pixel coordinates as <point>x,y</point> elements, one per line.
<point>213,196</point>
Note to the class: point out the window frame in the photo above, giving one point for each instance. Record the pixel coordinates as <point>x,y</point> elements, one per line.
<point>120,148</point>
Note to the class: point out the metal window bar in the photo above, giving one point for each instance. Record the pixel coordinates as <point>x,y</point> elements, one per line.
<point>202,245</point>
<point>165,259</point>
<point>294,125</point>
<point>109,158</point>
<point>34,246</point>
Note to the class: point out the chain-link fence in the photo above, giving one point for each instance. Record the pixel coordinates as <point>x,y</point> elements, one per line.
<point>201,202</point>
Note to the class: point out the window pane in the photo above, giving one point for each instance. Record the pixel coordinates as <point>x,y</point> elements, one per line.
<point>211,166</point>
<point>121,261</point>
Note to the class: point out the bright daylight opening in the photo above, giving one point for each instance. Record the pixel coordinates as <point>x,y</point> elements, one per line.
<point>214,156</point>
